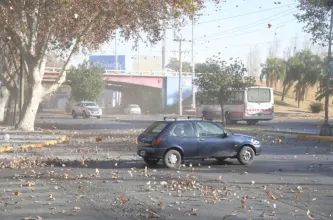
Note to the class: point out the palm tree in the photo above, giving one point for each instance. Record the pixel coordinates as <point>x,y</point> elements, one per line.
<point>307,70</point>
<point>290,75</point>
<point>273,71</point>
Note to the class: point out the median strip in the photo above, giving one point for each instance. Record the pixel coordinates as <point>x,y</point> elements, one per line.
<point>39,145</point>
<point>315,138</point>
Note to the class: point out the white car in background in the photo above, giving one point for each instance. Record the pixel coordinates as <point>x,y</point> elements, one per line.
<point>86,110</point>
<point>132,109</point>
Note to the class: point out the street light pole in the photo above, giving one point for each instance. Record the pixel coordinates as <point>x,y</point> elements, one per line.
<point>115,51</point>
<point>180,92</point>
<point>180,95</point>
<point>325,129</point>
<point>193,67</point>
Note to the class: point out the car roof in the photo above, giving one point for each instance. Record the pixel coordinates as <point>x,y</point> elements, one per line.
<point>183,118</point>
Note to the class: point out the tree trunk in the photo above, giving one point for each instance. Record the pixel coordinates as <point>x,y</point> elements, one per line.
<point>271,82</point>
<point>223,116</point>
<point>283,92</point>
<point>3,102</point>
<point>30,107</point>
<point>298,98</point>
<point>10,109</point>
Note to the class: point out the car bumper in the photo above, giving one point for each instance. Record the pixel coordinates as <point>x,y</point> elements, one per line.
<point>94,114</point>
<point>151,152</point>
<point>135,112</point>
<point>257,117</point>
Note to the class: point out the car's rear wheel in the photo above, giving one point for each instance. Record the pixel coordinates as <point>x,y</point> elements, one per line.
<point>221,159</point>
<point>74,114</point>
<point>172,159</point>
<point>151,161</point>
<point>246,155</point>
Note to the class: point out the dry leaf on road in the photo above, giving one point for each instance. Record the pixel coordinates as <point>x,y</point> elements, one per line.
<point>51,197</point>
<point>186,214</point>
<point>76,209</point>
<point>98,139</point>
<point>123,199</point>
<point>271,196</point>
<point>152,214</point>
<point>16,193</point>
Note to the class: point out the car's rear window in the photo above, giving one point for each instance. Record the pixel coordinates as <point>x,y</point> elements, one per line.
<point>155,128</point>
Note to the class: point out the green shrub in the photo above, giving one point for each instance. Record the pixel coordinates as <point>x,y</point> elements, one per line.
<point>316,107</point>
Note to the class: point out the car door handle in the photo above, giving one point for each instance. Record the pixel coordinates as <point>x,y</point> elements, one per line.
<point>201,139</point>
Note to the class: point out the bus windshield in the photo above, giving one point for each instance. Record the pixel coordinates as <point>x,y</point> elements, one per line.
<point>258,95</point>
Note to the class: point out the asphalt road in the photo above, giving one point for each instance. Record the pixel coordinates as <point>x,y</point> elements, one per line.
<point>299,175</point>
<point>64,122</point>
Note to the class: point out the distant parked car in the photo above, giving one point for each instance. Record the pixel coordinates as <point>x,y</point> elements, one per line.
<point>132,109</point>
<point>178,139</point>
<point>86,109</point>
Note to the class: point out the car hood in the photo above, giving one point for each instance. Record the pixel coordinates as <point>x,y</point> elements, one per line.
<point>93,107</point>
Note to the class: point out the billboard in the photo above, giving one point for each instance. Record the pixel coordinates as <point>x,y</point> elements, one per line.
<point>108,62</point>
<point>172,89</point>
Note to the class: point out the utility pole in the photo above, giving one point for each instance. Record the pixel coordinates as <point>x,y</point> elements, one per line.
<point>164,52</point>
<point>326,129</point>
<point>180,94</point>
<point>193,66</point>
<point>115,51</point>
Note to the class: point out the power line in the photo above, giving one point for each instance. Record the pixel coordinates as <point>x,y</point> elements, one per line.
<point>258,30</point>
<point>241,15</point>
<point>259,22</point>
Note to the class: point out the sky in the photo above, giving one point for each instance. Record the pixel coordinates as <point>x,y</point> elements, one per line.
<point>229,30</point>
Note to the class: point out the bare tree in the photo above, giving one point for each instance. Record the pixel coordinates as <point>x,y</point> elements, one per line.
<point>253,62</point>
<point>274,47</point>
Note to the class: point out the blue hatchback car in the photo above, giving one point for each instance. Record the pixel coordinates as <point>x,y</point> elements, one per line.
<point>176,139</point>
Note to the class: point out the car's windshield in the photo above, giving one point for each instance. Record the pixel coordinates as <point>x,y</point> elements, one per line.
<point>133,106</point>
<point>88,104</point>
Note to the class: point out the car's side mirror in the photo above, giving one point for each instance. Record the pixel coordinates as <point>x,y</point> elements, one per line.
<point>224,135</point>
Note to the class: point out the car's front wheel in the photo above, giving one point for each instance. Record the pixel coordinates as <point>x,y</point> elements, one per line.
<point>151,161</point>
<point>85,115</point>
<point>246,156</point>
<point>172,159</point>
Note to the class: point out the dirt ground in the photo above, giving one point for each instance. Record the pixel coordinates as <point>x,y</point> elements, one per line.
<point>288,108</point>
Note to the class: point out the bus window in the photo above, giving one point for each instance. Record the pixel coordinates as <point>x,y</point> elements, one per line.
<point>258,95</point>
<point>236,98</point>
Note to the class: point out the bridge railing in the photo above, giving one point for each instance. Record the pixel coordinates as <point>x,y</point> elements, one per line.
<point>53,70</point>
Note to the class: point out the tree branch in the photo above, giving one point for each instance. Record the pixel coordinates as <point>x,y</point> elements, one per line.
<point>62,75</point>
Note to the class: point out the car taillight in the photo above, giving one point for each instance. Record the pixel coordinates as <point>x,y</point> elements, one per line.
<point>157,142</point>
<point>272,109</point>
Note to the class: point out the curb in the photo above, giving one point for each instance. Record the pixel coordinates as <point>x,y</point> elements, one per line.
<point>268,131</point>
<point>40,145</point>
<point>315,138</point>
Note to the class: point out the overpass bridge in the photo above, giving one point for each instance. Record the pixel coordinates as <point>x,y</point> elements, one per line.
<point>149,89</point>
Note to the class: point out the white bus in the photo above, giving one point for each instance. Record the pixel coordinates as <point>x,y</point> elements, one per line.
<point>252,104</point>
